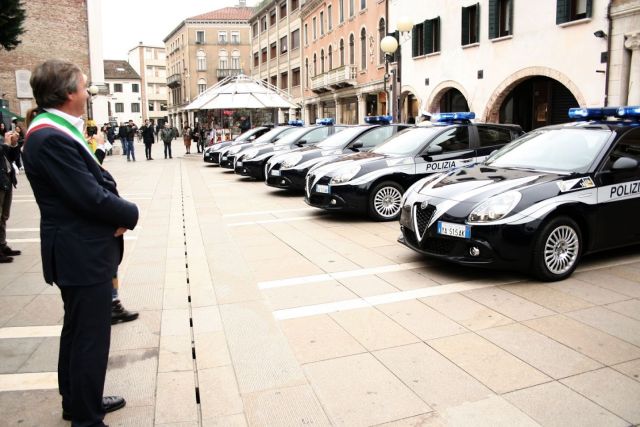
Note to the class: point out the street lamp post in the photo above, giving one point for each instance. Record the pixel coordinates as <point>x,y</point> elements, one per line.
<point>389,45</point>
<point>93,90</point>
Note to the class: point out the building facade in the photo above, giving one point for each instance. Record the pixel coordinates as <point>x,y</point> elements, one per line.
<point>624,53</point>
<point>203,50</point>
<point>150,64</point>
<point>51,32</point>
<point>508,61</point>
<point>276,50</point>
<point>343,66</point>
<point>125,97</point>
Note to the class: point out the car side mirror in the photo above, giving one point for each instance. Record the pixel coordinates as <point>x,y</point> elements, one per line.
<point>301,142</point>
<point>624,163</point>
<point>434,149</point>
<point>252,138</point>
<point>356,146</point>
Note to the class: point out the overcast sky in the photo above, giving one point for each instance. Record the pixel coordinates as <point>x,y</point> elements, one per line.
<point>127,22</point>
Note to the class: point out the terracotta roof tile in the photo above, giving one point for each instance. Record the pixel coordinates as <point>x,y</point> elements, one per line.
<point>227,13</point>
<point>117,69</point>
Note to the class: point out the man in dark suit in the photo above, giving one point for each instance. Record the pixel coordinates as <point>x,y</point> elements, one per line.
<point>82,220</point>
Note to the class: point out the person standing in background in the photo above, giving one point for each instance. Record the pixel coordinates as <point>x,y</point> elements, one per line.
<point>131,131</point>
<point>8,151</point>
<point>166,135</point>
<point>148,137</point>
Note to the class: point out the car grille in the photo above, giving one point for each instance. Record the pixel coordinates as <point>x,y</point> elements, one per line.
<point>423,216</point>
<point>215,156</point>
<point>438,245</point>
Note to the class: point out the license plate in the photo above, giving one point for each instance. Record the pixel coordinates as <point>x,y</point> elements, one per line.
<point>224,157</point>
<point>275,172</point>
<point>322,189</point>
<point>238,163</point>
<point>455,230</point>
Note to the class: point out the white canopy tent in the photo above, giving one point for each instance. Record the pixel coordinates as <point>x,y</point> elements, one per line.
<point>240,92</point>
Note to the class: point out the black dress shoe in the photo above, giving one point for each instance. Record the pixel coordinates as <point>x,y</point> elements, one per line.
<point>109,403</point>
<point>120,314</point>
<point>5,259</point>
<point>6,250</point>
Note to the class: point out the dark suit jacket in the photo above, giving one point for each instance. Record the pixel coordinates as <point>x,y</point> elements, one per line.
<point>80,210</point>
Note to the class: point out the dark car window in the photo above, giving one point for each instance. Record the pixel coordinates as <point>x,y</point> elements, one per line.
<point>374,137</point>
<point>493,135</point>
<point>627,146</point>
<point>454,139</point>
<point>316,135</point>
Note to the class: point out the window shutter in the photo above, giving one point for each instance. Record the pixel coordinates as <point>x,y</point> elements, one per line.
<point>589,8</point>
<point>478,22</point>
<point>436,35</point>
<point>562,11</point>
<point>464,37</point>
<point>414,41</point>
<point>428,36</point>
<point>493,19</point>
<point>396,54</point>
<point>511,17</point>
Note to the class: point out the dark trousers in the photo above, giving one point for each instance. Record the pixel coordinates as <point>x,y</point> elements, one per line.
<point>167,149</point>
<point>84,351</point>
<point>147,149</point>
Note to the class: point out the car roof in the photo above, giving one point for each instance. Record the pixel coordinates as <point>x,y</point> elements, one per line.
<point>593,125</point>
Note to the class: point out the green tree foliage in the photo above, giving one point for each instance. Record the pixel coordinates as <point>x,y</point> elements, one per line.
<point>12,15</point>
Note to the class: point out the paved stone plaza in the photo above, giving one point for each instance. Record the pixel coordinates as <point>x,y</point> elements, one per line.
<point>257,310</point>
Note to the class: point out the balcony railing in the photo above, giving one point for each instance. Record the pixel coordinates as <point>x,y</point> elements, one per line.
<point>226,72</point>
<point>174,80</point>
<point>334,79</point>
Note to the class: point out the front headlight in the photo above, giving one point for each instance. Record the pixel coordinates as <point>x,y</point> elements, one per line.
<point>250,154</point>
<point>291,160</point>
<point>345,174</point>
<point>495,207</point>
<point>234,150</point>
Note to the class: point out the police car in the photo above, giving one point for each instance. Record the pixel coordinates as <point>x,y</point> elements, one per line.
<point>289,170</point>
<point>252,162</point>
<point>373,182</point>
<point>540,203</point>
<point>227,155</point>
<point>211,154</point>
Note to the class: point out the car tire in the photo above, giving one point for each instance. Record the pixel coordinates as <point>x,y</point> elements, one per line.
<point>557,250</point>
<point>385,201</point>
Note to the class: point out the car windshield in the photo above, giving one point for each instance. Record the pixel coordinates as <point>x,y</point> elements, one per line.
<point>292,137</point>
<point>340,139</point>
<point>562,150</point>
<point>267,137</point>
<point>407,142</point>
<point>248,134</point>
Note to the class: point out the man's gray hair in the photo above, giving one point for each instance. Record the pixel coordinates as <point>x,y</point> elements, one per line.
<point>52,82</point>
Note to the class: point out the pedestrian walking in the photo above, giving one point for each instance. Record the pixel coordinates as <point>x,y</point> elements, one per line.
<point>148,137</point>
<point>195,136</point>
<point>166,135</point>
<point>82,222</point>
<point>122,135</point>
<point>186,137</point>
<point>8,152</point>
<point>131,130</point>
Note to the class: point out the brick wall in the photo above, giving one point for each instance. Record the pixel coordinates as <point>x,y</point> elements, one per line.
<point>53,30</point>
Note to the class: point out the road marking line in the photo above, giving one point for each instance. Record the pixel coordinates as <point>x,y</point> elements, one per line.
<point>269,221</point>
<point>30,331</point>
<point>267,212</point>
<point>339,275</point>
<point>29,381</point>
<point>333,307</point>
<point>37,240</point>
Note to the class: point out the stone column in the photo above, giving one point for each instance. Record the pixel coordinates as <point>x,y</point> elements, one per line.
<point>320,111</point>
<point>632,43</point>
<point>338,109</point>
<point>362,107</point>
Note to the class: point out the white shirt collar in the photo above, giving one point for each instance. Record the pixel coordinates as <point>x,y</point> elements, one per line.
<point>77,122</point>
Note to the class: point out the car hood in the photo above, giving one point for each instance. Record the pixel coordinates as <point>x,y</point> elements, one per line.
<point>458,192</point>
<point>366,159</point>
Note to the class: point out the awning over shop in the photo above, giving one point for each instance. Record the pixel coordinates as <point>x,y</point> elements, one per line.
<point>9,115</point>
<point>241,92</point>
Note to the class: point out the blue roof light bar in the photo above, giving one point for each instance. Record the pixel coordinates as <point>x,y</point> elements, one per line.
<point>327,121</point>
<point>296,123</point>
<point>450,117</point>
<point>378,120</point>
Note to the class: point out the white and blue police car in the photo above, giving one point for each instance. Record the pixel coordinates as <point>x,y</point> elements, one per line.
<point>538,204</point>
<point>373,182</point>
